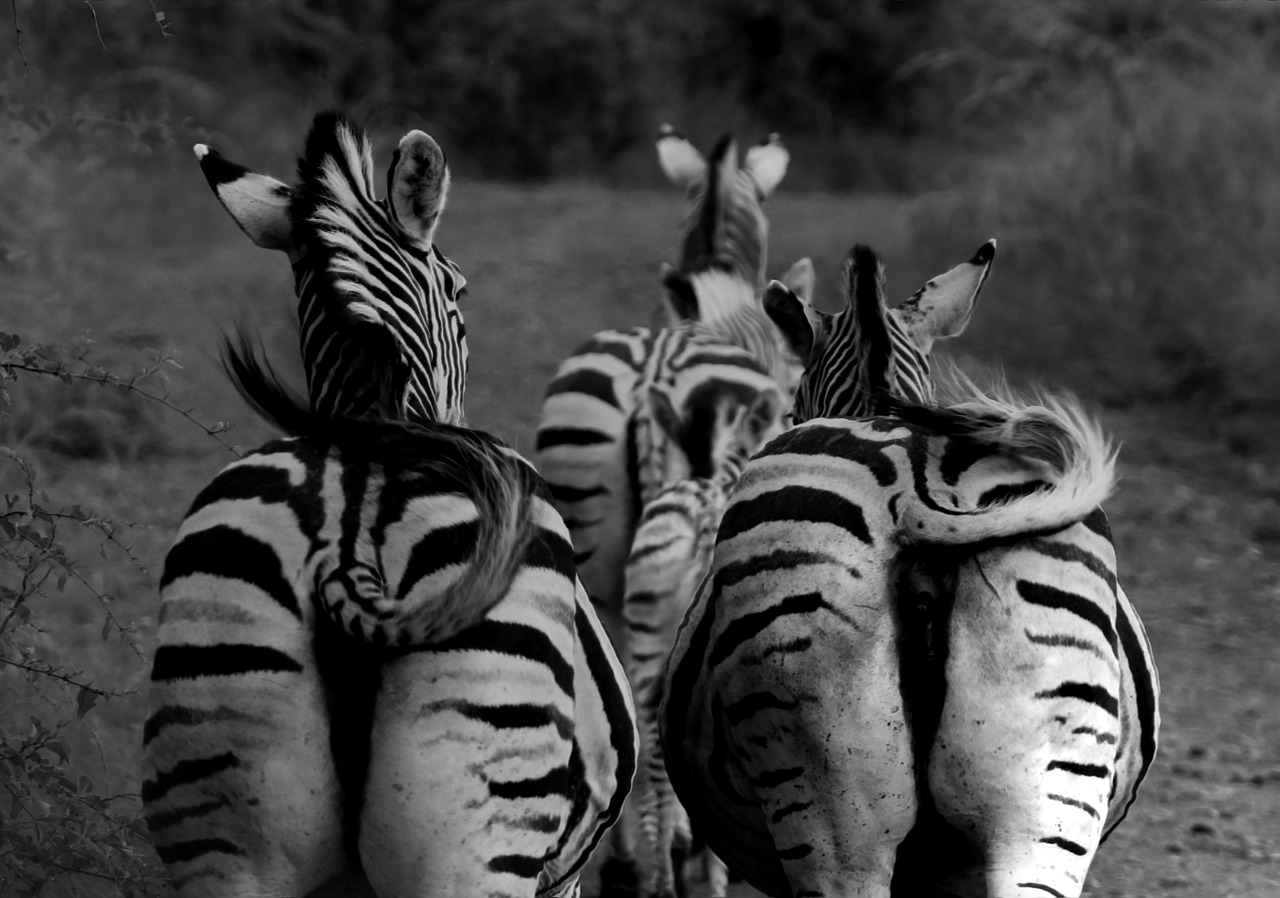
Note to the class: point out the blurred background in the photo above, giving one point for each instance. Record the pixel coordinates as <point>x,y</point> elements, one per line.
<point>1124,152</point>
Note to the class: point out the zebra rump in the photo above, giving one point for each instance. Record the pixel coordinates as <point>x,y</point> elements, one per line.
<point>489,540</point>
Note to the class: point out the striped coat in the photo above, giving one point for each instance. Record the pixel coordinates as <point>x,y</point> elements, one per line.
<point>374,658</point>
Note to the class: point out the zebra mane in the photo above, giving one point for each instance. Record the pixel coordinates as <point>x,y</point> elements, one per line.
<point>333,202</point>
<point>864,285</point>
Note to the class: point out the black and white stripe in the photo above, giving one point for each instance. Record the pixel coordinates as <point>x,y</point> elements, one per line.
<point>378,308</point>
<point>374,654</point>
<point>901,650</point>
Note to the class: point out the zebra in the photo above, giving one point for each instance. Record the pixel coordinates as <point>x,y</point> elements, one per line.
<point>1026,830</point>
<point>375,663</point>
<point>719,344</point>
<point>670,553</point>
<point>671,550</point>
<point>601,454</point>
<point>826,713</point>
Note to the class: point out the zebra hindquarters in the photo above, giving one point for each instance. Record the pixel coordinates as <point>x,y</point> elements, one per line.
<point>807,733</point>
<point>241,792</point>
<point>1025,754</point>
<point>471,778</point>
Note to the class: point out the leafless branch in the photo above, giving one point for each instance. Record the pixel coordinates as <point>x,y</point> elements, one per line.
<point>13,4</point>
<point>98,31</point>
<point>98,376</point>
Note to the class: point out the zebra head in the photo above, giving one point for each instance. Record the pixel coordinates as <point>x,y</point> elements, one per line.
<point>381,332</point>
<point>858,359</point>
<point>725,227</point>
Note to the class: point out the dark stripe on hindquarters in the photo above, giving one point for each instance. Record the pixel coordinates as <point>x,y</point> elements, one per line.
<point>159,821</point>
<point>1066,845</point>
<point>1074,554</point>
<point>1144,697</point>
<point>794,808</point>
<point>179,852</point>
<point>185,662</point>
<point>1097,771</point>
<point>178,715</point>
<point>748,626</point>
<point>454,545</point>
<point>1103,738</point>
<point>837,442</point>
<point>521,716</point>
<point>553,782</point>
<point>1074,803</point>
<point>1051,597</point>
<point>780,560</point>
<point>1085,692</point>
<point>1048,890</point>
<point>185,772</point>
<point>521,865</point>
<point>799,504</point>
<point>506,638</point>
<point>223,551</point>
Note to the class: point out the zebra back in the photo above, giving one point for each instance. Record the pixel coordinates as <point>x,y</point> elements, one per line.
<point>380,328</point>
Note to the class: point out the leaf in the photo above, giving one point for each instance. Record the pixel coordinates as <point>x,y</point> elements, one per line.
<point>85,700</point>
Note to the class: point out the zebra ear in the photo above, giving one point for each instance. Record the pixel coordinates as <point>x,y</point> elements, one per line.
<point>800,279</point>
<point>766,162</point>
<point>799,322</point>
<point>942,307</point>
<point>258,203</point>
<point>417,185</point>
<point>680,160</point>
<point>680,300</point>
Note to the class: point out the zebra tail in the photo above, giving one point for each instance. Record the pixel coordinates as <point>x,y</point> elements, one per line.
<point>259,385</point>
<point>499,483</point>
<point>506,530</point>
<point>1067,468</point>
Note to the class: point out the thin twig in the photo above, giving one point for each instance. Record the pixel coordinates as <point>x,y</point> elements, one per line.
<point>161,20</point>
<point>214,431</point>
<point>13,4</point>
<point>96,30</point>
<point>68,679</point>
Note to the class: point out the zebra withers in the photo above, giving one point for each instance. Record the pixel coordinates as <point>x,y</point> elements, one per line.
<point>373,650</point>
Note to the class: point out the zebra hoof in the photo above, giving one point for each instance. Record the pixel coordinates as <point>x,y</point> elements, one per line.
<point>619,879</point>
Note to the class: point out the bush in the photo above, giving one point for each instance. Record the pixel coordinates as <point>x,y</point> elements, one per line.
<point>59,830</point>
